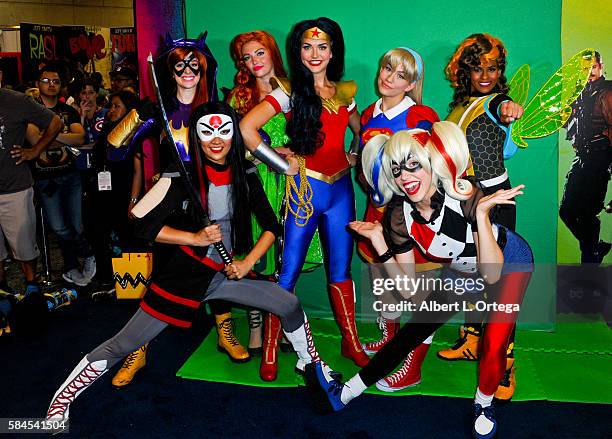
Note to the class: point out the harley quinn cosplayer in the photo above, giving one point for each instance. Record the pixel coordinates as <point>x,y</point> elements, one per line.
<point>448,219</point>
<point>484,112</point>
<point>400,85</point>
<point>187,72</point>
<point>194,272</point>
<point>319,109</point>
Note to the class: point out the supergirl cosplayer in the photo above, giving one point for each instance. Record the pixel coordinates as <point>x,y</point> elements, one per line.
<point>400,85</point>
<point>319,109</point>
<point>194,272</point>
<point>447,217</point>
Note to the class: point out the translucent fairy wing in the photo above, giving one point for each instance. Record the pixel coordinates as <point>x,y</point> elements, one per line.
<point>519,85</point>
<point>550,108</point>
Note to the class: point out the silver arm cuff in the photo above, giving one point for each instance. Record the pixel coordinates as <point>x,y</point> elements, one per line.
<point>271,158</point>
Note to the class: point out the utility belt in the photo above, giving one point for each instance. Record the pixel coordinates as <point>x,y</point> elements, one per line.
<point>329,179</point>
<point>301,196</point>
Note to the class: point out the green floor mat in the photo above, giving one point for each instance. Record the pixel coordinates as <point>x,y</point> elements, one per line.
<point>574,377</point>
<point>547,363</point>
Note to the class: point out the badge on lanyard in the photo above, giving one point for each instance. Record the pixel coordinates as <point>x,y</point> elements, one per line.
<point>104,181</point>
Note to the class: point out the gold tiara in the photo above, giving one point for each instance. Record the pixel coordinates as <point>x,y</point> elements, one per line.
<point>314,33</point>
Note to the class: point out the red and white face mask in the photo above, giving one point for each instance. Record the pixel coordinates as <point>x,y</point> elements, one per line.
<point>215,125</point>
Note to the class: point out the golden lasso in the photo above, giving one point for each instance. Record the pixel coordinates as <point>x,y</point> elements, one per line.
<point>302,198</point>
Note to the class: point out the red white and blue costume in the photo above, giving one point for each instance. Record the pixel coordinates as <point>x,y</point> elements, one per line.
<point>328,173</point>
<point>404,116</point>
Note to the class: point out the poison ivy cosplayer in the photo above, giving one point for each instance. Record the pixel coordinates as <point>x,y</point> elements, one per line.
<point>320,107</point>
<point>187,75</point>
<point>258,59</point>
<point>484,112</point>
<point>400,85</point>
<point>430,206</point>
<point>230,190</point>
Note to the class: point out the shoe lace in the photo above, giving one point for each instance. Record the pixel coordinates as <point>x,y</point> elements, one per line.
<point>401,373</point>
<point>335,387</point>
<point>489,411</point>
<point>375,345</point>
<point>130,360</point>
<point>60,404</point>
<point>227,329</point>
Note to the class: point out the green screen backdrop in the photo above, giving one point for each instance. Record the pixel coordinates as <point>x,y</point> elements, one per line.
<point>530,30</point>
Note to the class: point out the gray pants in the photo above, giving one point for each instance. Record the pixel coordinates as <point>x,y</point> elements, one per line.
<point>143,327</point>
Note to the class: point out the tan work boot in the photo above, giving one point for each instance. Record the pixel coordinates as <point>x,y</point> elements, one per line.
<point>227,341</point>
<point>131,365</point>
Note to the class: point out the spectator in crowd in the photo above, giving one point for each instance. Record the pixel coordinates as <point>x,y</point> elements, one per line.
<point>123,77</point>
<point>93,118</point>
<point>17,215</point>
<point>110,209</point>
<point>103,93</point>
<point>58,183</point>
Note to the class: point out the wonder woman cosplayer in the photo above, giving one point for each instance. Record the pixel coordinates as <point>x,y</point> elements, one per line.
<point>447,217</point>
<point>319,109</point>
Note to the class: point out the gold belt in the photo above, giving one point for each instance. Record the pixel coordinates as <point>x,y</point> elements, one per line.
<point>329,179</point>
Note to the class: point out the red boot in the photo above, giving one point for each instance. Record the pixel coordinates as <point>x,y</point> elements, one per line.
<point>342,298</point>
<point>408,375</point>
<point>268,369</point>
<point>389,328</point>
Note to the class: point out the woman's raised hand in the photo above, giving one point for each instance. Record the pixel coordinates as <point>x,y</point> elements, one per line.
<point>502,196</point>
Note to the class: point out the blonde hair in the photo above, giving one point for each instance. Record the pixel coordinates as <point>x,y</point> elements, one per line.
<point>402,57</point>
<point>445,155</point>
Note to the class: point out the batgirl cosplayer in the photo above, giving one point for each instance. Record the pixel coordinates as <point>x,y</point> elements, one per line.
<point>485,113</point>
<point>194,272</point>
<point>431,207</point>
<point>400,85</point>
<point>187,73</point>
<point>319,108</point>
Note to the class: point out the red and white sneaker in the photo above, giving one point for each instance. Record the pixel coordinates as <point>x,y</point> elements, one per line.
<point>408,375</point>
<point>389,328</point>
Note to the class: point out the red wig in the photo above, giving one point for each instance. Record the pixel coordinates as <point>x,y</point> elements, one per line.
<point>245,92</point>
<point>180,53</point>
